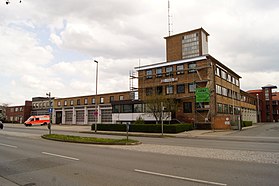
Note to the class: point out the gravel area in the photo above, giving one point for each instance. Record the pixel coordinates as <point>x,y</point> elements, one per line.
<point>236,155</point>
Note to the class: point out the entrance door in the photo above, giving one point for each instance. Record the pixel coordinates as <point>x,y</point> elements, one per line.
<point>58,117</point>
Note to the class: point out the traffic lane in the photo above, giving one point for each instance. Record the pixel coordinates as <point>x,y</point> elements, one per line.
<point>188,142</point>
<point>98,161</point>
<point>29,170</point>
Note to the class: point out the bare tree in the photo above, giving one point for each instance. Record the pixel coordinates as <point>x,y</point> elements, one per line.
<point>3,108</point>
<point>160,106</point>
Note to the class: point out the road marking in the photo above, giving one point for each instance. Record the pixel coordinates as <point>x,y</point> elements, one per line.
<point>6,145</point>
<point>181,178</point>
<point>61,156</point>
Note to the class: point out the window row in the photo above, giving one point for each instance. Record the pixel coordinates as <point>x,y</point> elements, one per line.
<point>226,76</point>
<point>227,92</point>
<point>169,70</point>
<point>248,99</point>
<point>16,109</point>
<point>128,108</point>
<point>86,102</point>
<point>169,89</point>
<point>190,38</point>
<point>41,105</point>
<point>227,109</point>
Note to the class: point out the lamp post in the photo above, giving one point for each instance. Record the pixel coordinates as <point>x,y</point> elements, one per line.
<point>258,105</point>
<point>50,112</point>
<point>96,109</point>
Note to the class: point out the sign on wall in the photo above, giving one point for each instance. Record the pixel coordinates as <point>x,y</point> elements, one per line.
<point>202,95</point>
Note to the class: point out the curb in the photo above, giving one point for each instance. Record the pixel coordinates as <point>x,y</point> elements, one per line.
<point>95,143</point>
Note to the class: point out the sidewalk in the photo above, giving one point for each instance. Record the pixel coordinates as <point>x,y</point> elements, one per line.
<point>203,134</point>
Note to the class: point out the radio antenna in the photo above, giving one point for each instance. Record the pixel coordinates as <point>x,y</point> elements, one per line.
<point>169,18</point>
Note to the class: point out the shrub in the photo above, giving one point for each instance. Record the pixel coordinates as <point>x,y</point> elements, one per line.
<point>148,128</point>
<point>139,121</point>
<point>246,123</point>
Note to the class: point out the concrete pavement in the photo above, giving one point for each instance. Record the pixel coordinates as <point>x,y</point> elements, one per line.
<point>87,129</point>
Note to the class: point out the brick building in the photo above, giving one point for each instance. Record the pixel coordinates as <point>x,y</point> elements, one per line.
<point>267,103</point>
<point>82,109</point>
<point>40,106</point>
<point>189,68</point>
<point>19,114</point>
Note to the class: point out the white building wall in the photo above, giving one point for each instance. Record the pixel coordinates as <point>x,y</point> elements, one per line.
<point>118,117</point>
<point>204,44</point>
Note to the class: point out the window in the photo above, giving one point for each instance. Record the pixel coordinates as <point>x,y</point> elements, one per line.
<point>111,98</point>
<point>59,103</point>
<point>192,87</point>
<point>187,107</point>
<point>127,108</point>
<point>138,108</point>
<point>169,71</point>
<point>229,93</point>
<point>65,103</point>
<point>236,82</point>
<point>223,74</point>
<point>170,89</point>
<point>72,102</point>
<point>85,101</point>
<point>220,108</point>
<point>230,109</point>
<point>149,91</point>
<point>159,90</point>
<point>78,102</point>
<point>20,109</point>
<point>180,88</point>
<point>224,91</point>
<point>102,100</point>
<point>233,80</point>
<point>217,72</point>
<point>179,69</point>
<point>116,108</point>
<point>218,89</point>
<point>229,78</point>
<point>190,45</point>
<point>226,109</point>
<point>159,72</point>
<point>148,74</point>
<point>192,67</point>
<point>121,97</point>
<point>34,105</point>
<point>16,109</point>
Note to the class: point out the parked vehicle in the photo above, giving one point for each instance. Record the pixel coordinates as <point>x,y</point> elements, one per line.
<point>37,120</point>
<point>1,125</point>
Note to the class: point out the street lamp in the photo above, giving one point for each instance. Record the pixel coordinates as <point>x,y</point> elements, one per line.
<point>258,106</point>
<point>50,112</point>
<point>96,109</point>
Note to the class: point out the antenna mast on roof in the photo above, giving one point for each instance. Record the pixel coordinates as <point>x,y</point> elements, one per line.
<point>169,19</point>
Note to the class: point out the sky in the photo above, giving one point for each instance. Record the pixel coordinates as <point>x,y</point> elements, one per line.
<point>50,46</point>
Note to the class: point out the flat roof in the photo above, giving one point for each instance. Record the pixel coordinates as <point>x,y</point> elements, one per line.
<point>194,59</point>
<point>163,64</point>
<point>188,32</point>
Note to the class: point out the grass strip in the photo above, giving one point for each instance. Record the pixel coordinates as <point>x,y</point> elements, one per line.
<point>90,140</point>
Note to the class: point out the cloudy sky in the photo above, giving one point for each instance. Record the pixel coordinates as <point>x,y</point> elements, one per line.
<point>50,45</point>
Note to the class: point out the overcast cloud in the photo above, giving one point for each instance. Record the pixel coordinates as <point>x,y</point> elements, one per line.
<point>49,46</point>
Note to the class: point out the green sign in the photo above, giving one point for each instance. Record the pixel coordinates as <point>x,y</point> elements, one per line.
<point>202,95</point>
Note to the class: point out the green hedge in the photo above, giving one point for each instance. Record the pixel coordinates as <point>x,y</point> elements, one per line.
<point>247,123</point>
<point>148,128</point>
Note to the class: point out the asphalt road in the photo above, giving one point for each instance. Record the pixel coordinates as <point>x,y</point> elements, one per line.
<point>26,159</point>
